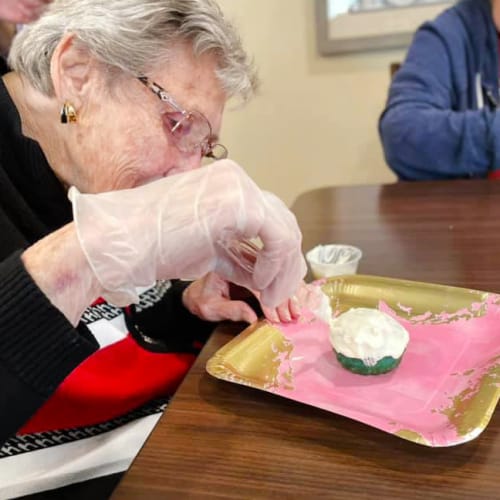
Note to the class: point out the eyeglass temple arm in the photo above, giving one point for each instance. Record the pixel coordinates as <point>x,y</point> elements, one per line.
<point>158,91</point>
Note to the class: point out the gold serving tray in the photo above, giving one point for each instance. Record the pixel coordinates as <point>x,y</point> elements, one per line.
<point>444,391</point>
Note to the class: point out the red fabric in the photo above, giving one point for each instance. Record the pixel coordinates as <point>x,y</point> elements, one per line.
<point>112,382</point>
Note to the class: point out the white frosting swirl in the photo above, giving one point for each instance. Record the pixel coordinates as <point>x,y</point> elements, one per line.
<point>368,334</point>
<point>323,310</point>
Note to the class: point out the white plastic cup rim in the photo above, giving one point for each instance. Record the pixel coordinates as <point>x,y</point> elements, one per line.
<point>333,260</point>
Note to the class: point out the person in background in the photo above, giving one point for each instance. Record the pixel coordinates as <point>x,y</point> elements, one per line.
<point>115,104</point>
<point>22,11</point>
<point>441,120</point>
<point>13,12</point>
<point>7,32</point>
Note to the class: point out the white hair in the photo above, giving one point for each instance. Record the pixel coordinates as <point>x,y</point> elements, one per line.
<point>133,35</point>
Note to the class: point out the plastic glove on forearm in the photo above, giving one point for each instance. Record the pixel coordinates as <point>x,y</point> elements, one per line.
<point>176,228</point>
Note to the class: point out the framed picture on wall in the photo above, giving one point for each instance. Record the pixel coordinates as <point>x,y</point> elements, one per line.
<point>359,25</point>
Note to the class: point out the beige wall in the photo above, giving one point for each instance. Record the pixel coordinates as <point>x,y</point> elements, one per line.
<point>315,121</point>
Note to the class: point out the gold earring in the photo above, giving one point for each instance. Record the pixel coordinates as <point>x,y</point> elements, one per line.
<point>68,113</point>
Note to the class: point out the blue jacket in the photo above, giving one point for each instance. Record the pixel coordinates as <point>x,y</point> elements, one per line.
<point>441,121</point>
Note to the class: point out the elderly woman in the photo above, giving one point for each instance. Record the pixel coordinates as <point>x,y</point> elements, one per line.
<point>120,101</point>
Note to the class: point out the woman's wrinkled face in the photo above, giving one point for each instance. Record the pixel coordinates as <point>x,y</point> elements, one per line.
<point>124,136</point>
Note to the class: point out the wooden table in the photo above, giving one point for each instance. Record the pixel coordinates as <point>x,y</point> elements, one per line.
<point>222,440</point>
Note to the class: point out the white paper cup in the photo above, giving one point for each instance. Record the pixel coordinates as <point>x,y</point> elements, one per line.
<point>333,260</point>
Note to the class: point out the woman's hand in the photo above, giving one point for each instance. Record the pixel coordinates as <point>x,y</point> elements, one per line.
<point>209,299</point>
<point>22,11</point>
<point>307,297</point>
<point>286,312</point>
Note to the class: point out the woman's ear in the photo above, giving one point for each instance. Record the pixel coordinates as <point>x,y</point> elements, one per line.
<point>71,69</point>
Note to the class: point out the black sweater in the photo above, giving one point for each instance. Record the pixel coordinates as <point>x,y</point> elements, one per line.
<point>38,346</point>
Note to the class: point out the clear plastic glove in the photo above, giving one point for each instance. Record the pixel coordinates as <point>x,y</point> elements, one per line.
<point>181,227</point>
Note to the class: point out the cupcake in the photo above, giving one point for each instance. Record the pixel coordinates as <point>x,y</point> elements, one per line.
<point>368,341</point>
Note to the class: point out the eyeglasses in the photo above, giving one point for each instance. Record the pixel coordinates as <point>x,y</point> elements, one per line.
<point>191,130</point>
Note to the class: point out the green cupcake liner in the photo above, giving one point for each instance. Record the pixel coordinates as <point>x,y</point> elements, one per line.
<point>356,365</point>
